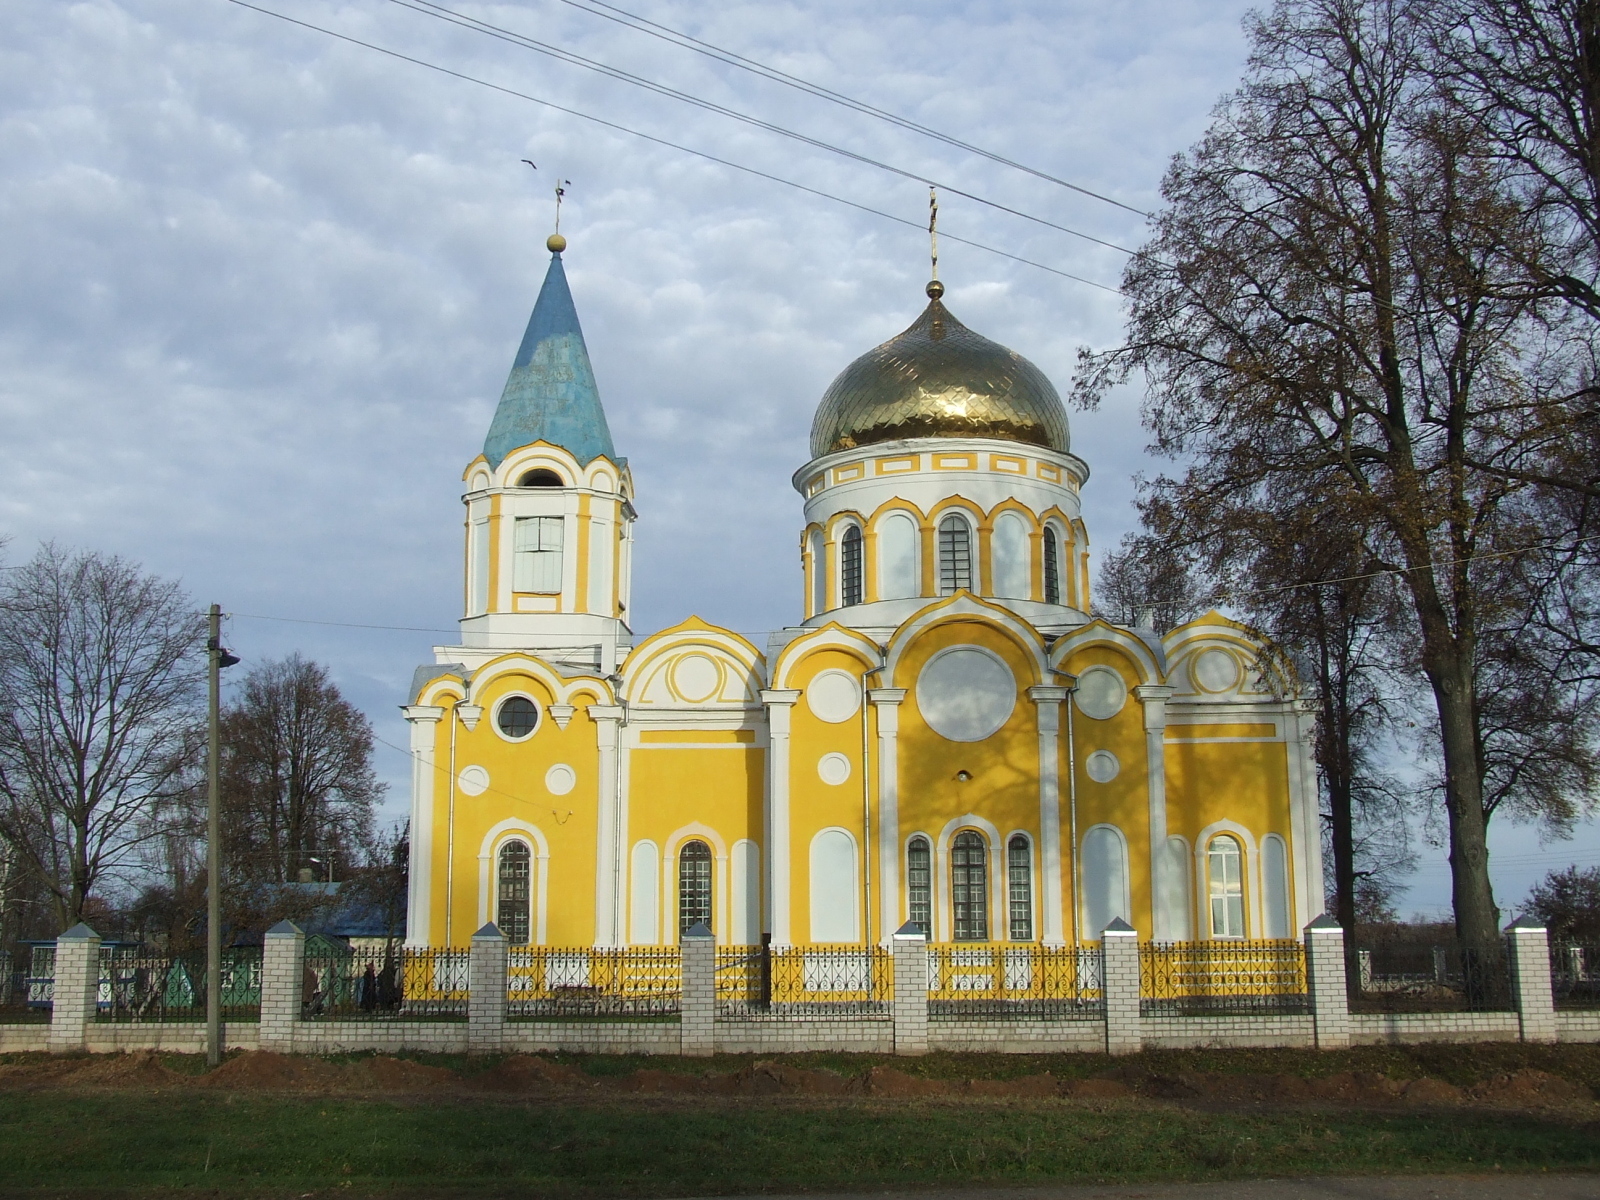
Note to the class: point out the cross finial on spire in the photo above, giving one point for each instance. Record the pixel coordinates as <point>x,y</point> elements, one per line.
<point>933,229</point>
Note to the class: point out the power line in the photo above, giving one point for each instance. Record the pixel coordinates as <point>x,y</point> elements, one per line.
<point>731,58</point>
<point>439,12</point>
<point>660,141</point>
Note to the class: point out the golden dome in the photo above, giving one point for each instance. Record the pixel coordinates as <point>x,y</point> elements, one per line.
<point>939,379</point>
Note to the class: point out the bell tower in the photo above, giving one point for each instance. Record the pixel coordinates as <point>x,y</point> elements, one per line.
<point>549,512</point>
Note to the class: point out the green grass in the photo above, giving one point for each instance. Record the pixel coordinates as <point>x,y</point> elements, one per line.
<point>100,1143</point>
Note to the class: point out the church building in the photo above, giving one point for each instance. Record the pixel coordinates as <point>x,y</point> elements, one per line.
<point>946,737</point>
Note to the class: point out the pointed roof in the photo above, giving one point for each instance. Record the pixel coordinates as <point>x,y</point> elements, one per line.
<point>551,394</point>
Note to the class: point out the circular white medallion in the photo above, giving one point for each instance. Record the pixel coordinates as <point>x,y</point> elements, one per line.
<point>1102,766</point>
<point>1101,693</point>
<point>966,693</point>
<point>560,779</point>
<point>833,769</point>
<point>473,781</point>
<point>1215,670</point>
<point>695,678</point>
<point>833,696</point>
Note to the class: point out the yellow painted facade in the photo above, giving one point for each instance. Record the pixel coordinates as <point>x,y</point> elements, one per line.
<point>946,737</point>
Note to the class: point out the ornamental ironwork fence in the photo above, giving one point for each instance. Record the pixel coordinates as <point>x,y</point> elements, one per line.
<point>1575,974</point>
<point>140,983</point>
<point>1015,980</point>
<point>631,981</point>
<point>1201,978</point>
<point>1407,974</point>
<point>14,991</point>
<point>385,982</point>
<point>817,981</point>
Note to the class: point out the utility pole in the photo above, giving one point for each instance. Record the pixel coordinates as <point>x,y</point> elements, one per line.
<point>216,659</point>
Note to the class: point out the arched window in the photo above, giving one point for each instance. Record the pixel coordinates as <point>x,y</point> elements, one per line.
<point>1008,557</point>
<point>513,904</point>
<point>1019,888</point>
<point>819,573</point>
<point>955,556</point>
<point>898,577</point>
<point>1225,877</point>
<point>969,887</point>
<point>919,883</point>
<point>541,477</point>
<point>1275,886</point>
<point>850,567</point>
<point>694,886</point>
<point>1052,566</point>
<point>1104,879</point>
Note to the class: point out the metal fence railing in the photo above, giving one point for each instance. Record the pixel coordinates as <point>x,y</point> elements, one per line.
<point>1409,975</point>
<point>1575,973</point>
<point>1018,980</point>
<point>15,978</point>
<point>822,980</point>
<point>1199,978</point>
<point>145,984</point>
<point>386,982</point>
<point>631,981</point>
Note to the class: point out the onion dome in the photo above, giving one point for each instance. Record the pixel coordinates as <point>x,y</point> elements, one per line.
<point>939,379</point>
<point>551,394</point>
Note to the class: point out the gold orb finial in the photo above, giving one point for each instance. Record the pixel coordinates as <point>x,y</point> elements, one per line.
<point>935,289</point>
<point>555,243</point>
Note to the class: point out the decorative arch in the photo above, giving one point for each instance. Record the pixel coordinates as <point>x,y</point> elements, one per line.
<point>488,857</point>
<point>1250,876</point>
<point>875,545</point>
<point>960,608</point>
<point>943,916</point>
<point>832,636</point>
<point>1099,633</point>
<point>833,886</point>
<point>1087,918</point>
<point>670,846</point>
<point>742,664</point>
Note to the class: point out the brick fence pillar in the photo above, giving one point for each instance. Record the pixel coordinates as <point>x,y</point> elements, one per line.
<point>1119,985</point>
<point>910,947</point>
<point>697,1028</point>
<point>1529,946</point>
<point>283,968</point>
<point>1325,983</point>
<point>76,989</point>
<point>486,991</point>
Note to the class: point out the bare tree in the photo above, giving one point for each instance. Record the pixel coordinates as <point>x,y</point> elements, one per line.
<point>100,678</point>
<point>1147,581</point>
<point>1325,298</point>
<point>297,778</point>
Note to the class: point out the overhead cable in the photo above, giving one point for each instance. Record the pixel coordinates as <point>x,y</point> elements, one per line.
<point>660,141</point>
<point>439,12</point>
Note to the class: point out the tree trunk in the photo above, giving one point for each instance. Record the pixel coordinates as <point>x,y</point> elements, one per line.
<point>1477,918</point>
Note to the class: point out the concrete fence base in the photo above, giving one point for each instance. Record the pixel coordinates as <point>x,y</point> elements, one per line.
<point>905,1029</point>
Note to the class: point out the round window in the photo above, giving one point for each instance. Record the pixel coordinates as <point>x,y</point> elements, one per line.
<point>517,717</point>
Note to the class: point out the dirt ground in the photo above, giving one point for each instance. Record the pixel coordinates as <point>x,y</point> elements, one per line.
<point>533,1076</point>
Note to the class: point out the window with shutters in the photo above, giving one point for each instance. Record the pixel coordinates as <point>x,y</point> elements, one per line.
<point>850,567</point>
<point>514,903</point>
<point>1019,888</point>
<point>955,556</point>
<point>919,884</point>
<point>969,887</point>
<point>537,554</point>
<point>1052,566</point>
<point>694,886</point>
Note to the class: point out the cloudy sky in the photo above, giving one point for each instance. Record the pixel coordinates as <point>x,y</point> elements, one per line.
<point>260,287</point>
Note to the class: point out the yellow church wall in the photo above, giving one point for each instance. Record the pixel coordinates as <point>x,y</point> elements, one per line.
<point>1243,781</point>
<point>1004,787</point>
<point>815,805</point>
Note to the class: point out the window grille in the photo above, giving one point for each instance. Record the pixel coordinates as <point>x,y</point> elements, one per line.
<point>516,873</point>
<point>1052,567</point>
<point>1019,885</point>
<point>517,717</point>
<point>1227,888</point>
<point>850,575</point>
<point>969,887</point>
<point>538,554</point>
<point>694,886</point>
<point>919,883</point>
<point>955,556</point>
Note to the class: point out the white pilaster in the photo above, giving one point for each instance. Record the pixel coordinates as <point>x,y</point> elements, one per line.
<point>424,721</point>
<point>780,706</point>
<point>608,873</point>
<point>1154,697</point>
<point>887,702</point>
<point>1305,824</point>
<point>1048,701</point>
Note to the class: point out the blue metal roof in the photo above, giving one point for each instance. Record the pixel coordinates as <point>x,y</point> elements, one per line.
<point>551,394</point>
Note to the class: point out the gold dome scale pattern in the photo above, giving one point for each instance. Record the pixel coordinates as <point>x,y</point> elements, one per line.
<point>939,379</point>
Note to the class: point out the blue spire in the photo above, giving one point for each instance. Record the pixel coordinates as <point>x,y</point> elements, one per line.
<point>551,394</point>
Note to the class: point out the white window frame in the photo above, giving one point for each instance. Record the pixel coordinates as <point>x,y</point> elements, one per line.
<point>535,567</point>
